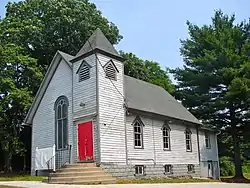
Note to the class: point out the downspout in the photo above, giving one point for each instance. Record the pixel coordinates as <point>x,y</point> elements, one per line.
<point>154,141</point>
<point>97,110</point>
<point>72,111</point>
<point>125,130</point>
<point>198,144</point>
<point>125,119</point>
<point>216,135</point>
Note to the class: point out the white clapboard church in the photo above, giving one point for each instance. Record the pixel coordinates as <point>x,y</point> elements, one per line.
<point>101,120</point>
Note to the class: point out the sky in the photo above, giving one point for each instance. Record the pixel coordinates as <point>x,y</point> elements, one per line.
<point>152,29</point>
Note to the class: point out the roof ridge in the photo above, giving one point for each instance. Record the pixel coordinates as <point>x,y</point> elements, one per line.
<point>97,41</point>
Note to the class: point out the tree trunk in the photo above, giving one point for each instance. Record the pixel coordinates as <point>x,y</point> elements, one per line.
<point>236,146</point>
<point>7,162</point>
<point>237,158</point>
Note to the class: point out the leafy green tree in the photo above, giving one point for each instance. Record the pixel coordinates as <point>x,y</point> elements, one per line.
<point>18,75</point>
<point>135,67</point>
<point>215,81</point>
<point>148,71</point>
<point>158,76</point>
<point>44,26</point>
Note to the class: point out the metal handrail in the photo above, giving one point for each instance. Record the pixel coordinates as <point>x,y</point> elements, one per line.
<point>60,158</point>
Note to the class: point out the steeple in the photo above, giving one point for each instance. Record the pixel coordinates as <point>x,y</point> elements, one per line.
<point>97,42</point>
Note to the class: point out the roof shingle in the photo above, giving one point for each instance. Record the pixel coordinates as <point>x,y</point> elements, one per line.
<point>148,97</point>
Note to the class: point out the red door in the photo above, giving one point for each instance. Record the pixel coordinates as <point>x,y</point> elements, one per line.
<point>85,141</point>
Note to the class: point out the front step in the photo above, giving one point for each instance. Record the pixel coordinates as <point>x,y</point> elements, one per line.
<point>81,173</point>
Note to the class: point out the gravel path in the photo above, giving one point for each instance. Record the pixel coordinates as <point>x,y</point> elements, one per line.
<point>33,184</point>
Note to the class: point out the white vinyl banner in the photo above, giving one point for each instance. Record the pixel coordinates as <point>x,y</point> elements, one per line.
<point>44,156</point>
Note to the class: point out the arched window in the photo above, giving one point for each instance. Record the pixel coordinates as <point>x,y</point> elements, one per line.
<point>188,134</point>
<point>138,133</point>
<point>110,70</point>
<point>166,137</point>
<point>61,124</point>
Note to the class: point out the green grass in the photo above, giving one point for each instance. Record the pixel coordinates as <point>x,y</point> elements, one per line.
<point>22,178</point>
<point>163,180</point>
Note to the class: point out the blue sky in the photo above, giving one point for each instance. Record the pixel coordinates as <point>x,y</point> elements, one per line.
<point>152,29</point>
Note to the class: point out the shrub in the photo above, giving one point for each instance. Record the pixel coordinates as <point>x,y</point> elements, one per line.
<point>246,167</point>
<point>226,166</point>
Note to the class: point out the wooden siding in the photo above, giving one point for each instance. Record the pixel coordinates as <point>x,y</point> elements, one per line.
<point>153,144</point>
<point>208,154</point>
<point>111,114</point>
<point>84,91</point>
<point>43,127</point>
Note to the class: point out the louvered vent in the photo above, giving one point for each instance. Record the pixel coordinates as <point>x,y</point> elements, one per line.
<point>84,73</point>
<point>110,71</point>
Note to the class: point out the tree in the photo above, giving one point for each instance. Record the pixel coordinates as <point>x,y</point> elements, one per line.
<point>145,70</point>
<point>158,76</point>
<point>214,82</point>
<point>18,76</point>
<point>44,26</point>
<point>135,67</point>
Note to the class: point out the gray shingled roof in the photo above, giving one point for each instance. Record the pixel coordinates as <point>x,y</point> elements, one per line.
<point>66,56</point>
<point>97,41</point>
<point>148,97</point>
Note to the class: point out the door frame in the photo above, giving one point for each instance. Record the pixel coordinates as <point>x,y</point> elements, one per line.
<point>77,145</point>
<point>212,169</point>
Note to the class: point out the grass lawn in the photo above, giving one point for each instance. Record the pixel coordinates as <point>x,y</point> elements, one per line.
<point>163,180</point>
<point>22,178</point>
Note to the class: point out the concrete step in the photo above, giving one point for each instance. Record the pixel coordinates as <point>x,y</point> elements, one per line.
<point>83,180</point>
<point>81,173</point>
<point>79,169</point>
<point>77,173</point>
<point>87,182</point>
<point>80,165</point>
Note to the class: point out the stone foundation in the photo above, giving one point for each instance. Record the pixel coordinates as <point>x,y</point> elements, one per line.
<point>128,171</point>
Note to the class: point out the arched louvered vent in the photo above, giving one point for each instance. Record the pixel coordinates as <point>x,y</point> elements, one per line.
<point>84,71</point>
<point>110,70</point>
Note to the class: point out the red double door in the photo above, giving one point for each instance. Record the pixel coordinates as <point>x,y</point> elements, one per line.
<point>85,141</point>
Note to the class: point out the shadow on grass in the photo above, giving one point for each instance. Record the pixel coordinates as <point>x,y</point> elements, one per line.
<point>235,180</point>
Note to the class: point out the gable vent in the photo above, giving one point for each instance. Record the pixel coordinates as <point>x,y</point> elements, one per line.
<point>84,72</point>
<point>110,71</point>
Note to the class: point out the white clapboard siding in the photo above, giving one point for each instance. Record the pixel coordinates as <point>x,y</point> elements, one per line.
<point>205,153</point>
<point>43,126</point>
<point>153,144</point>
<point>85,91</point>
<point>111,114</point>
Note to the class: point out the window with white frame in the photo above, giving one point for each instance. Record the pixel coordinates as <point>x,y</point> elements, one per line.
<point>139,169</point>
<point>190,168</point>
<point>188,134</point>
<point>110,70</point>
<point>138,133</point>
<point>168,169</point>
<point>61,113</point>
<point>207,141</point>
<point>166,137</point>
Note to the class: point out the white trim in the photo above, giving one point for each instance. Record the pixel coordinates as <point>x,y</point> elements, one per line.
<point>43,87</point>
